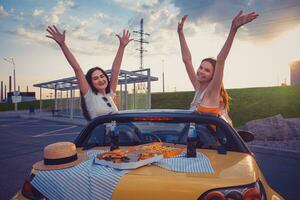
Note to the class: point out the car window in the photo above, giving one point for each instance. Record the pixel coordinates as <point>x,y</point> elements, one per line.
<point>141,132</point>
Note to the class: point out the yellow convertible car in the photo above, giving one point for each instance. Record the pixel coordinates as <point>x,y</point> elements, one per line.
<point>223,169</point>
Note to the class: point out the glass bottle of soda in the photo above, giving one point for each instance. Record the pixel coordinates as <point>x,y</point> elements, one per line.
<point>192,142</point>
<point>114,136</point>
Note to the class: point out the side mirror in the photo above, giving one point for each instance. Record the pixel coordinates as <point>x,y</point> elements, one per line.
<point>246,136</point>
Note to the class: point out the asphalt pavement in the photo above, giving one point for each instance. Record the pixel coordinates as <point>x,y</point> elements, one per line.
<point>21,145</point>
<point>22,142</point>
<point>282,174</point>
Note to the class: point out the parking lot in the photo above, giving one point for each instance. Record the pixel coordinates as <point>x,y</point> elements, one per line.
<point>22,142</point>
<point>21,145</point>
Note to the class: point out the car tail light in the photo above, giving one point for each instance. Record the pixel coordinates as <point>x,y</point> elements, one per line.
<point>214,195</point>
<point>252,194</point>
<point>153,118</point>
<point>30,192</point>
<point>253,191</point>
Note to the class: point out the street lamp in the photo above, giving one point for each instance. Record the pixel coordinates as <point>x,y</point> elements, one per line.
<point>11,61</point>
<point>163,75</point>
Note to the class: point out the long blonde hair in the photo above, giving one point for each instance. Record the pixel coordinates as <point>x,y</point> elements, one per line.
<point>223,92</point>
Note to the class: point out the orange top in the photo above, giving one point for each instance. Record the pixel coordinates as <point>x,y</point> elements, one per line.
<point>216,111</point>
<point>210,110</point>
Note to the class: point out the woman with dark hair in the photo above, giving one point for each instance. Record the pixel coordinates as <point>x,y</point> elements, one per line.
<point>95,87</point>
<point>210,95</point>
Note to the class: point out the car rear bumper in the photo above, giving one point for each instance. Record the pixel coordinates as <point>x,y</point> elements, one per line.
<point>271,195</point>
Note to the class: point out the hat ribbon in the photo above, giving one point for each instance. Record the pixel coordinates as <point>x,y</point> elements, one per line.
<point>59,161</point>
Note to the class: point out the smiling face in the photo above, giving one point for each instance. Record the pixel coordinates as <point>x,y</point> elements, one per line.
<point>99,80</point>
<point>205,72</point>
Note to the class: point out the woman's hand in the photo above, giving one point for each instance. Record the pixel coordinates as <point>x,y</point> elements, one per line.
<point>181,23</point>
<point>241,19</point>
<point>56,35</point>
<point>125,39</point>
<point>59,37</point>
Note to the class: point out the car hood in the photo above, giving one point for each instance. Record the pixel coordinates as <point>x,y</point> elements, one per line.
<point>232,169</point>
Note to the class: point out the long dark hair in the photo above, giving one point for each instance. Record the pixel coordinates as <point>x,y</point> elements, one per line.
<point>88,77</point>
<point>223,92</point>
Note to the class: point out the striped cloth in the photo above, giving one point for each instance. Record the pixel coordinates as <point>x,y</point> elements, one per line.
<point>181,163</point>
<point>71,183</point>
<point>84,181</point>
<point>92,181</point>
<point>103,180</point>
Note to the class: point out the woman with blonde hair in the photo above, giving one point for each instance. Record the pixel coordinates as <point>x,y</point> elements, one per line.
<point>210,95</point>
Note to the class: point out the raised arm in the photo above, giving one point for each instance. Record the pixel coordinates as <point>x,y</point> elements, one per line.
<point>59,37</point>
<point>124,40</point>
<point>186,54</point>
<point>214,86</point>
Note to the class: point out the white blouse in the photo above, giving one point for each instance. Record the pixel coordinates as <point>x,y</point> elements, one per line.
<point>99,104</point>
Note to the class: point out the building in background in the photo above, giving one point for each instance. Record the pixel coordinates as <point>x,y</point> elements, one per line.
<point>1,92</point>
<point>295,73</point>
<point>25,96</point>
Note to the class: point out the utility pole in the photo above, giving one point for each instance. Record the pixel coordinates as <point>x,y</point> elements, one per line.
<point>11,61</point>
<point>5,93</point>
<point>141,41</point>
<point>9,84</point>
<point>1,93</point>
<point>163,75</point>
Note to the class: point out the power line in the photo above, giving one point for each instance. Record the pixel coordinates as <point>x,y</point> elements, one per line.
<point>265,33</point>
<point>261,12</point>
<point>284,19</point>
<point>264,24</point>
<point>267,10</point>
<point>289,6</point>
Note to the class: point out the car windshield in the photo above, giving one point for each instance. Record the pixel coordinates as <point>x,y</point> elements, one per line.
<point>141,132</point>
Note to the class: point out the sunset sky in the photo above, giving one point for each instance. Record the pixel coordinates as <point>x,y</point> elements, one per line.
<point>259,57</point>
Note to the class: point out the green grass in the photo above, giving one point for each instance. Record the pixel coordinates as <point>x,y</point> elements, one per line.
<point>140,101</point>
<point>256,103</point>
<point>246,104</point>
<point>172,100</point>
<point>47,105</point>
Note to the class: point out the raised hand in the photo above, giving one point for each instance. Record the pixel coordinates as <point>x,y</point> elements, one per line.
<point>125,39</point>
<point>56,35</point>
<point>181,23</point>
<point>241,19</point>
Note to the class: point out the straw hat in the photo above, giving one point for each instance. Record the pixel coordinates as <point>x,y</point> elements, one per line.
<point>60,155</point>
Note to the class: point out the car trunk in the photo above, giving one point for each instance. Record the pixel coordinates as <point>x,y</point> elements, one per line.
<point>153,182</point>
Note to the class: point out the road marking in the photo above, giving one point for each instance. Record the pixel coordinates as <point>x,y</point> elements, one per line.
<point>75,133</point>
<point>54,131</point>
<point>18,123</point>
<point>10,119</point>
<point>41,125</point>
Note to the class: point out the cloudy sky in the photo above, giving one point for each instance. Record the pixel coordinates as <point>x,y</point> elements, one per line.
<point>260,55</point>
